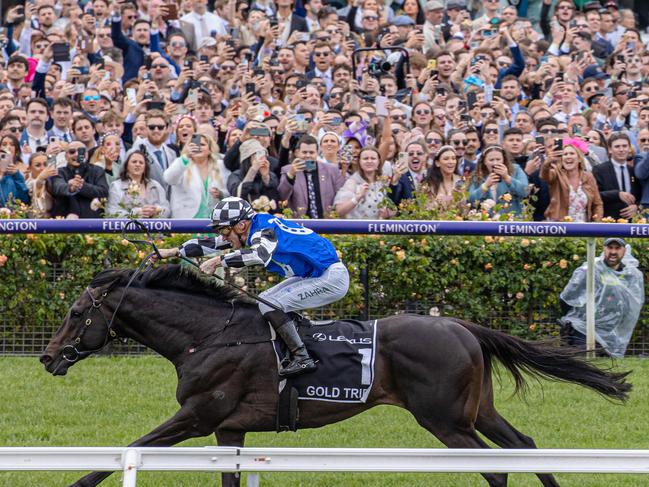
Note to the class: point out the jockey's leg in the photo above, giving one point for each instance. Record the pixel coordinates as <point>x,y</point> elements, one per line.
<point>295,294</point>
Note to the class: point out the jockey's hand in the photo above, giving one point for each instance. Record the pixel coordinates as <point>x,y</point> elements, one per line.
<point>209,266</point>
<point>165,254</point>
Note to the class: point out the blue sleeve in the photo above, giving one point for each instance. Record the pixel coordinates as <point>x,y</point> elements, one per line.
<point>11,45</point>
<point>119,39</point>
<point>155,43</point>
<point>38,84</point>
<point>515,68</point>
<point>519,182</point>
<point>22,191</point>
<point>641,169</point>
<point>475,192</point>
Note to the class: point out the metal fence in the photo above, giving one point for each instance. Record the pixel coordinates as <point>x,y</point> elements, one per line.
<point>20,340</point>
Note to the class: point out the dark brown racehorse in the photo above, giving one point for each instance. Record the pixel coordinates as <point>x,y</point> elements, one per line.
<point>439,369</point>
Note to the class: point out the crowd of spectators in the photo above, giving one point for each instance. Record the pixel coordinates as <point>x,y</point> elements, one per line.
<point>161,108</point>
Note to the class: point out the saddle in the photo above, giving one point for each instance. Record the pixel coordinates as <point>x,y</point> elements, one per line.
<point>344,350</point>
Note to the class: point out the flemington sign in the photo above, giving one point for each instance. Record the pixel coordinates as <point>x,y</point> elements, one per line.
<point>386,227</point>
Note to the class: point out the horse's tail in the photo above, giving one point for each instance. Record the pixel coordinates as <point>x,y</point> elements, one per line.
<point>546,361</point>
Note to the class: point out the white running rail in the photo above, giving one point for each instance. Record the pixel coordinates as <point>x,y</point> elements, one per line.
<point>232,459</point>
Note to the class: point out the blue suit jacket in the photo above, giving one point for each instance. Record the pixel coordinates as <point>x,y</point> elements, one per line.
<point>134,55</point>
<point>403,190</point>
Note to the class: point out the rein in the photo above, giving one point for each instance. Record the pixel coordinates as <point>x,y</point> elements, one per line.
<point>71,352</point>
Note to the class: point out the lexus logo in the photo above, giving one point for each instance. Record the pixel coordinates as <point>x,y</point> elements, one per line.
<point>319,337</point>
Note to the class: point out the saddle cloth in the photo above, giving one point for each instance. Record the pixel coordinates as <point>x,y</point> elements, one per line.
<point>345,352</point>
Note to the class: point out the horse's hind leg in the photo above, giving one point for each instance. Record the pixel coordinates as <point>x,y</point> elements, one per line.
<point>230,438</point>
<point>491,424</point>
<point>182,426</point>
<point>459,436</point>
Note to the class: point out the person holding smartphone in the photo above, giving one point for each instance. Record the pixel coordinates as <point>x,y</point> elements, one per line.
<point>12,182</point>
<point>196,178</point>
<point>254,178</point>
<point>77,184</point>
<point>41,168</point>
<point>498,182</point>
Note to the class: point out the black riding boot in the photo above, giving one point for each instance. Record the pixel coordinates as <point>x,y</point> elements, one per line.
<point>301,362</point>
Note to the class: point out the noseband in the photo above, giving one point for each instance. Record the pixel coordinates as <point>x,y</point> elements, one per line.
<point>71,352</point>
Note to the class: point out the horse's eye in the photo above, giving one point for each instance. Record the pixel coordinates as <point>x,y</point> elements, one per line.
<point>76,314</point>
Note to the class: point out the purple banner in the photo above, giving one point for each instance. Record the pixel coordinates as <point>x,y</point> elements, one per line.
<point>393,227</point>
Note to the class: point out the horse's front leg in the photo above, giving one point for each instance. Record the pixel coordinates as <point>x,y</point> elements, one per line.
<point>230,438</point>
<point>182,426</point>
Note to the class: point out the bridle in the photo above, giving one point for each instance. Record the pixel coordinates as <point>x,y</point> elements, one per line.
<point>71,352</point>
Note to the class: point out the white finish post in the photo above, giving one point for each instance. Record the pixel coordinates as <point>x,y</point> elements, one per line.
<point>590,298</point>
<point>252,480</point>
<point>131,460</point>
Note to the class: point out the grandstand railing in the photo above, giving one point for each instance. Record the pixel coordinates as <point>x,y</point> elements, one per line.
<point>232,459</point>
<point>404,227</point>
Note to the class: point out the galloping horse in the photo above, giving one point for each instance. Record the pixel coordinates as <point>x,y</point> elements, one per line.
<point>439,369</point>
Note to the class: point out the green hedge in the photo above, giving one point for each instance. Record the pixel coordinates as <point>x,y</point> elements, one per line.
<point>509,282</point>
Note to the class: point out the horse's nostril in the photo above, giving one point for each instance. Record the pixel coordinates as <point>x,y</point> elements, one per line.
<point>45,359</point>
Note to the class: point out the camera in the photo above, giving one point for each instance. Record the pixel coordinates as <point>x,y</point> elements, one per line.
<point>377,67</point>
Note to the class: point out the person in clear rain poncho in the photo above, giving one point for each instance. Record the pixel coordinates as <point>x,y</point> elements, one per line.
<point>619,297</point>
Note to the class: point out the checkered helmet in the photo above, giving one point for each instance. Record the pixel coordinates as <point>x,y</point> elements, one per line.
<point>230,211</point>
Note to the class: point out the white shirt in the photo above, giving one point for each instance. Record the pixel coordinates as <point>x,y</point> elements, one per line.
<point>618,175</point>
<point>212,22</point>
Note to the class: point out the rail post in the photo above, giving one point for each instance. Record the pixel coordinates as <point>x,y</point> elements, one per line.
<point>590,297</point>
<point>131,460</point>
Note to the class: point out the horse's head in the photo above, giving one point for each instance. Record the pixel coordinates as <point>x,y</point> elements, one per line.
<point>86,328</point>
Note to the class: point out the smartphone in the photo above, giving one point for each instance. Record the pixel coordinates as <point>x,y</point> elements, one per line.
<point>487,33</point>
<point>148,61</point>
<point>558,144</point>
<point>465,118</point>
<point>61,52</point>
<point>146,76</point>
<point>309,166</point>
<point>631,95</point>
<point>81,155</point>
<point>196,140</point>
<point>172,12</point>
<point>547,84</point>
<point>131,95</point>
<point>540,140</point>
<point>155,105</point>
<point>259,132</point>
<point>620,57</point>
<point>560,76</point>
<point>273,21</point>
<point>83,70</point>
<point>4,161</point>
<point>381,106</point>
<point>204,59</point>
<point>51,161</point>
<point>576,130</point>
<point>302,124</point>
<point>471,99</point>
<point>234,32</point>
<point>250,88</point>
<point>496,93</point>
<point>300,83</point>
<point>572,24</point>
<point>192,96</point>
<point>434,73</point>
<point>336,121</point>
<point>403,159</point>
<point>630,45</point>
<point>440,91</point>
<point>53,139</point>
<point>432,64</point>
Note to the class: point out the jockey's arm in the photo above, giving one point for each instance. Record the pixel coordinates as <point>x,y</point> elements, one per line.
<point>260,252</point>
<point>199,247</point>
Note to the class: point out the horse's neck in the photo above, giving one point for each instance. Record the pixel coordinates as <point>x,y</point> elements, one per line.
<point>172,323</point>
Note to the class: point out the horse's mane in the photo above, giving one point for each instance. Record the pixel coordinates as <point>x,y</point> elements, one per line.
<point>173,277</point>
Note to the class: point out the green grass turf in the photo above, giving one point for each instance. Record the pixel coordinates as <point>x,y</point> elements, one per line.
<point>112,401</point>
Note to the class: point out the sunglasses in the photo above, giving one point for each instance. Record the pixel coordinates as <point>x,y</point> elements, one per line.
<point>156,127</point>
<point>422,112</point>
<point>91,98</point>
<point>459,142</point>
<point>371,17</point>
<point>398,117</point>
<point>72,151</point>
<point>434,141</point>
<point>161,66</point>
<point>227,68</point>
<point>334,95</point>
<point>565,7</point>
<point>320,54</point>
<point>103,36</point>
<point>397,131</point>
<point>14,129</point>
<point>644,141</point>
<point>324,39</point>
<point>485,114</point>
<point>491,131</point>
<point>177,44</point>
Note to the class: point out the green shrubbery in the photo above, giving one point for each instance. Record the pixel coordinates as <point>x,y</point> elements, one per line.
<point>509,282</point>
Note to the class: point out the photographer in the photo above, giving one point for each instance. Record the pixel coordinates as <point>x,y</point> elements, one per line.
<point>76,186</point>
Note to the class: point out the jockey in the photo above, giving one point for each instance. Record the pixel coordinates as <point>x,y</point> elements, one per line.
<point>316,276</point>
